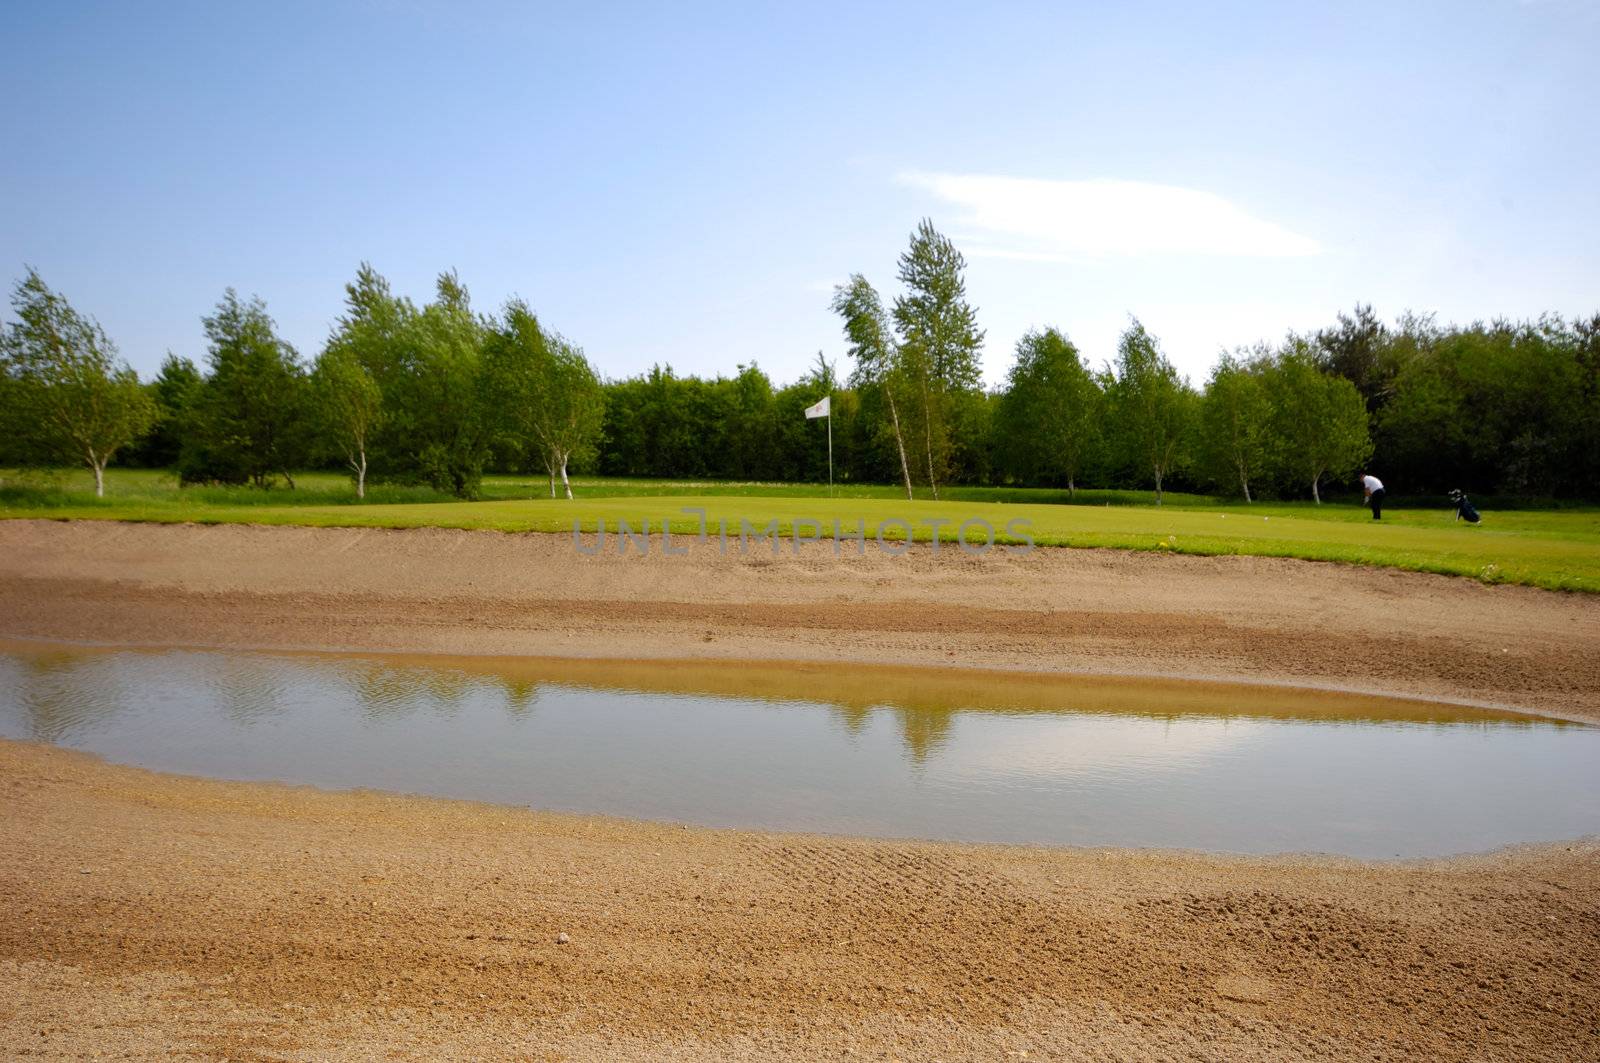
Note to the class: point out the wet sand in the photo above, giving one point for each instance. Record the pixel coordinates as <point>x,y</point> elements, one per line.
<point>1088,611</point>
<point>160,916</point>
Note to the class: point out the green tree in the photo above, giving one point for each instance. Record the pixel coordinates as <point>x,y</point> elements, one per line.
<point>348,407</point>
<point>174,390</point>
<point>1320,418</point>
<point>1492,407</point>
<point>13,449</point>
<point>940,342</point>
<point>1236,421</point>
<point>1581,464</point>
<point>378,332</point>
<point>1360,349</point>
<point>876,353</point>
<point>451,431</point>
<point>69,394</point>
<point>1050,412</point>
<point>973,450</point>
<point>822,374</point>
<point>250,421</point>
<point>427,364</point>
<point>374,326</point>
<point>1152,405</point>
<point>549,396</point>
<point>751,424</point>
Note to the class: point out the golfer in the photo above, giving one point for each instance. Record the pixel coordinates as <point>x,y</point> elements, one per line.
<point>1374,489</point>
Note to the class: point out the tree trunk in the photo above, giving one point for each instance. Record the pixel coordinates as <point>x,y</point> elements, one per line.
<point>565,483</point>
<point>1317,495</point>
<point>290,478</point>
<point>551,466</point>
<point>927,439</point>
<point>1072,488</point>
<point>1158,485</point>
<point>99,467</point>
<point>1244,482</point>
<point>361,473</point>
<point>899,441</point>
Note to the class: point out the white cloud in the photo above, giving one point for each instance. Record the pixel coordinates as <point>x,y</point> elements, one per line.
<point>1043,220</point>
<point>977,250</point>
<point>1098,746</point>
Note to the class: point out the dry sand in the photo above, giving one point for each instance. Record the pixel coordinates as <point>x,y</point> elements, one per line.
<point>172,916</point>
<point>161,916</point>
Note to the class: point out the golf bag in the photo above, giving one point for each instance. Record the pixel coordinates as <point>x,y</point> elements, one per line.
<point>1464,507</point>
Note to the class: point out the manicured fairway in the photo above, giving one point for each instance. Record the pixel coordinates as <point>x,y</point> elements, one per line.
<point>1557,549</point>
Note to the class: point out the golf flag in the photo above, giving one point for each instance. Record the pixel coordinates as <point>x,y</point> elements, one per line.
<point>825,409</point>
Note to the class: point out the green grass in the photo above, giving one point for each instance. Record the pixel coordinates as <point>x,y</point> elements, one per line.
<point>1555,549</point>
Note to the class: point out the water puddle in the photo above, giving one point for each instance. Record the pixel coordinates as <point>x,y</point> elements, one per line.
<point>973,756</point>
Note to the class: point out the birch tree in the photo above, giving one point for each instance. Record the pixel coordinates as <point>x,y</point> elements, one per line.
<point>876,353</point>
<point>546,391</point>
<point>939,337</point>
<point>349,407</point>
<point>1321,419</point>
<point>1153,404</point>
<point>1236,420</point>
<point>1050,411</point>
<point>72,398</point>
<point>569,407</point>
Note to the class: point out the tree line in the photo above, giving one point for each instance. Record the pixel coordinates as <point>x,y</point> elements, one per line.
<point>430,394</point>
<point>439,393</point>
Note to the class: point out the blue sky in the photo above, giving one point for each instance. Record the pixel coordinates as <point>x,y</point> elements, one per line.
<point>685,185</point>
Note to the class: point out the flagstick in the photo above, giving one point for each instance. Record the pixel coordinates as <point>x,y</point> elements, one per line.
<point>830,447</point>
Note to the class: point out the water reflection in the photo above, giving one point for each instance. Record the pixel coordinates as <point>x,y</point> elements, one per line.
<point>888,751</point>
<point>57,696</point>
<point>249,691</point>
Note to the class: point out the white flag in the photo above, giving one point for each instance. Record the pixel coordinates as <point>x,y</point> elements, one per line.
<point>821,409</point>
